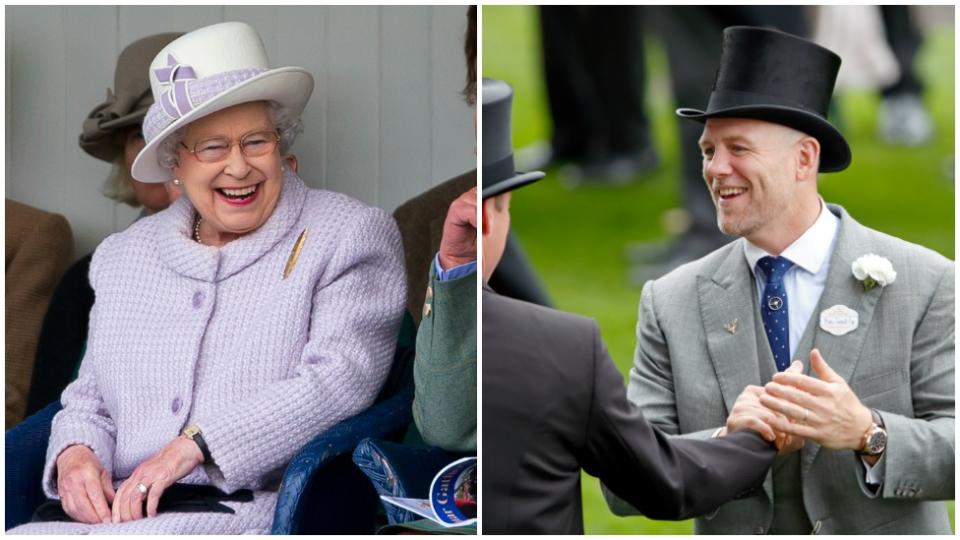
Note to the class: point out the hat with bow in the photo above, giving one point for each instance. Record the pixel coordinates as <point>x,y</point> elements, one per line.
<point>208,70</point>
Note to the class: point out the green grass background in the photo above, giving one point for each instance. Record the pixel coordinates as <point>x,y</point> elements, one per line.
<point>576,240</point>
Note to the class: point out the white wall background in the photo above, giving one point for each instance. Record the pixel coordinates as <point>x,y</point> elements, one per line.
<point>386,120</point>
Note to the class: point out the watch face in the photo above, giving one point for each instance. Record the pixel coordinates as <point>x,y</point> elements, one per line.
<point>877,442</point>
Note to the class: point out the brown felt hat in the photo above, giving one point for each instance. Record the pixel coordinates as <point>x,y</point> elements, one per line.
<point>127,102</point>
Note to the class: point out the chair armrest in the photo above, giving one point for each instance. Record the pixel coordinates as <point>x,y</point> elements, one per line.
<point>400,470</point>
<point>383,420</point>
<point>26,453</point>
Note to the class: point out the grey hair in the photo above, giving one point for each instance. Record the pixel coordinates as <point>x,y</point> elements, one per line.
<point>119,183</point>
<point>285,119</point>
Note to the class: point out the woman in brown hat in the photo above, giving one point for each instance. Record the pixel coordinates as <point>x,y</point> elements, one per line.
<point>112,131</point>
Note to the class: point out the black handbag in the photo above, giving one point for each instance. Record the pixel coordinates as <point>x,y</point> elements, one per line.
<point>176,498</point>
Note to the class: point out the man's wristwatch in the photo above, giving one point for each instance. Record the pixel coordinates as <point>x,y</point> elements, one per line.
<point>192,432</point>
<point>875,438</point>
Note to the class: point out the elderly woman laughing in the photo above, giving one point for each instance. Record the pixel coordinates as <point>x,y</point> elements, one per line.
<point>229,329</point>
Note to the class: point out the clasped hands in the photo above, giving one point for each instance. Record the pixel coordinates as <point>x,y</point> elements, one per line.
<point>795,407</point>
<point>86,490</point>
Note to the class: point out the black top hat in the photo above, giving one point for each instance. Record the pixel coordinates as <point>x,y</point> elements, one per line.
<point>499,176</point>
<point>770,75</point>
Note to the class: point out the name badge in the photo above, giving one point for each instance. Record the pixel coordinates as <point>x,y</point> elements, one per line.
<point>839,320</point>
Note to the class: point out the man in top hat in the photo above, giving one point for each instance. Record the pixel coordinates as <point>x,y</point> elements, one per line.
<point>554,403</point>
<point>873,314</point>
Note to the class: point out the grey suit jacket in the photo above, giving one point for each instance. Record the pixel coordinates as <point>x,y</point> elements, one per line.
<point>554,402</point>
<point>689,369</point>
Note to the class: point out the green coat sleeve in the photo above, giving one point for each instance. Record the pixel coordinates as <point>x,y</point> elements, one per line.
<point>445,369</point>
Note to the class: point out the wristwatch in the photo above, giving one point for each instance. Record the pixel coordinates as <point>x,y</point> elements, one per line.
<point>192,432</point>
<point>875,438</point>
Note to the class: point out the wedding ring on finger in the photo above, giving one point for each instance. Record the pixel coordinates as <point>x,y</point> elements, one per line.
<point>142,489</point>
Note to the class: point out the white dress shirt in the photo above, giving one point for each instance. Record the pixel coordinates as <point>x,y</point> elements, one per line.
<point>804,283</point>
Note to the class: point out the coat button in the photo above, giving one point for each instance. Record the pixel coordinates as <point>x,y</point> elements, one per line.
<point>175,406</point>
<point>197,299</point>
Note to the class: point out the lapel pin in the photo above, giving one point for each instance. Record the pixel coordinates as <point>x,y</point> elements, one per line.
<point>731,326</point>
<point>839,320</point>
<point>295,253</point>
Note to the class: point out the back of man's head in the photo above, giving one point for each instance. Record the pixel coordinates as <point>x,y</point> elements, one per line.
<point>499,175</point>
<point>470,55</point>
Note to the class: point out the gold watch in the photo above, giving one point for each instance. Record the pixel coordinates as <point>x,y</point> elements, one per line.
<point>875,438</point>
<point>193,433</point>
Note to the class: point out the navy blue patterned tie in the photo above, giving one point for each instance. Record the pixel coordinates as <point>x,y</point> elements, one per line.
<point>773,309</point>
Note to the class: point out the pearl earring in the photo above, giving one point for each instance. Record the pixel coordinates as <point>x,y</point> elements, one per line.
<point>177,182</point>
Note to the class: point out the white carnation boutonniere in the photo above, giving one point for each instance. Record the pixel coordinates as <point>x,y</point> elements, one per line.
<point>873,270</point>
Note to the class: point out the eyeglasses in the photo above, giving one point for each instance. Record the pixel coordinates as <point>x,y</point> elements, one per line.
<point>216,149</point>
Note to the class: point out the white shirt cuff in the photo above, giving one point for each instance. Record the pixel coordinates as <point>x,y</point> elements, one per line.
<point>875,473</point>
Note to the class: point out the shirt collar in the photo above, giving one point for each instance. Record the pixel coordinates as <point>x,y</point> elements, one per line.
<point>809,251</point>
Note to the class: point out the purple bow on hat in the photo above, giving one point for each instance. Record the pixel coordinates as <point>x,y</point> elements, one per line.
<point>175,101</point>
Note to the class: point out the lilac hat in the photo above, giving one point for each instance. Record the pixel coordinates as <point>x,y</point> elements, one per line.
<point>205,71</point>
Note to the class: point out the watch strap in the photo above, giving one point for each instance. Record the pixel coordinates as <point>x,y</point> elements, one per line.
<point>194,434</point>
<point>202,444</point>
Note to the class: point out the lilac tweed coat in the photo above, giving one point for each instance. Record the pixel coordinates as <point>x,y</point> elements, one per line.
<point>183,333</point>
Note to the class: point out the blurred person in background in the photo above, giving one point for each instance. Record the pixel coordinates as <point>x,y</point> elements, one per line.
<point>39,246</point>
<point>904,118</point>
<point>880,45</point>
<point>594,73</point>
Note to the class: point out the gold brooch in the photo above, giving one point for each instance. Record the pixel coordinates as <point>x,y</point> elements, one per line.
<point>292,260</point>
<point>731,326</point>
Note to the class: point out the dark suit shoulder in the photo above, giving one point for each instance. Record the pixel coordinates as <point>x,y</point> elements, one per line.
<point>535,352</point>
<point>434,202</point>
<point>517,317</point>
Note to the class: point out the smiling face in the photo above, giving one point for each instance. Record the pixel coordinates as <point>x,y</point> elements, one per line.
<point>761,176</point>
<point>237,194</point>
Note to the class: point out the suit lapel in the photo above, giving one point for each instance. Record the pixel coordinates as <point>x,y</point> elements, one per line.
<point>842,288</point>
<point>725,297</point>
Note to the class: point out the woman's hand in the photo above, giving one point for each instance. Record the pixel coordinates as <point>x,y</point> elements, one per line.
<point>85,487</point>
<point>170,464</point>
